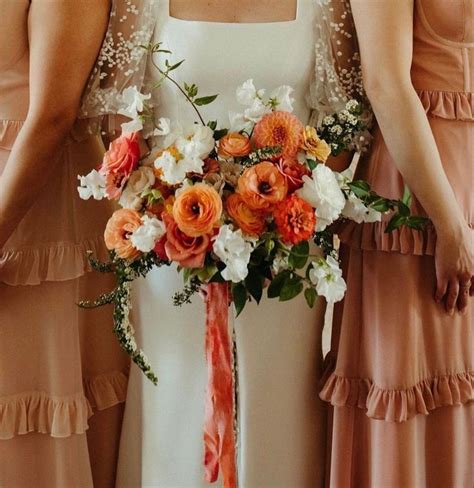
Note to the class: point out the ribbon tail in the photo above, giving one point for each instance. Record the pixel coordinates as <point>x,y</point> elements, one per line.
<point>219,439</point>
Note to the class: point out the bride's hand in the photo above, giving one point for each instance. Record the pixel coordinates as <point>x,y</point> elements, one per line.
<point>454,259</point>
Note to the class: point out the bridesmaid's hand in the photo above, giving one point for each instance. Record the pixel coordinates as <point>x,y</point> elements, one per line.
<point>454,259</point>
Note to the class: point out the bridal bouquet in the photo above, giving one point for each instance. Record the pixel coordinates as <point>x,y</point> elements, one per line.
<point>239,210</point>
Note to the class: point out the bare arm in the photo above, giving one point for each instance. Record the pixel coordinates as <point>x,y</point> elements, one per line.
<point>385,32</point>
<point>65,37</point>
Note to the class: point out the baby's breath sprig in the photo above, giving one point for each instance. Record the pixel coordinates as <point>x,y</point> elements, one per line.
<point>184,297</point>
<point>260,155</point>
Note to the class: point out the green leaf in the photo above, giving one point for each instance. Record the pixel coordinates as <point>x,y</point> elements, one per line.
<point>311,164</point>
<point>416,222</point>
<point>380,205</point>
<point>360,188</point>
<point>239,297</point>
<point>310,295</point>
<point>395,223</point>
<point>291,289</point>
<point>403,209</point>
<point>254,283</point>
<point>406,199</point>
<point>299,255</point>
<point>171,67</point>
<point>219,134</point>
<point>212,124</point>
<point>205,100</point>
<point>277,283</point>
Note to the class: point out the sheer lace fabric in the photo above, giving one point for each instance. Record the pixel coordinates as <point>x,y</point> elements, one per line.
<point>122,61</point>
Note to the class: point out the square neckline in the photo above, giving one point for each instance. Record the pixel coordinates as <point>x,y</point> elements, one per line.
<point>245,24</point>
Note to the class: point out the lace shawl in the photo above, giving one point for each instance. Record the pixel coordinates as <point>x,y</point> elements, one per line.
<point>122,60</point>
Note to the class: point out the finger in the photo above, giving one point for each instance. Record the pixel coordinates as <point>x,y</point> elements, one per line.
<point>441,289</point>
<point>452,296</point>
<point>463,297</point>
<point>471,291</point>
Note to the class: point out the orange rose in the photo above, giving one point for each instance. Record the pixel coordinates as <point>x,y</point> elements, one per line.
<point>252,222</point>
<point>119,162</point>
<point>197,209</point>
<point>234,145</point>
<point>189,252</point>
<point>281,129</point>
<point>295,220</point>
<point>118,230</point>
<point>293,171</point>
<point>315,146</point>
<point>262,186</point>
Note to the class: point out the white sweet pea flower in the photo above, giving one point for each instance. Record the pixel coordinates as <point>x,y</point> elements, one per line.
<point>256,111</point>
<point>247,93</point>
<point>344,177</point>
<point>133,101</point>
<point>327,277</point>
<point>234,250</point>
<point>284,100</point>
<point>358,212</point>
<point>140,181</point>
<point>238,122</point>
<point>163,127</point>
<point>145,237</point>
<point>135,125</point>
<point>92,185</point>
<point>322,192</point>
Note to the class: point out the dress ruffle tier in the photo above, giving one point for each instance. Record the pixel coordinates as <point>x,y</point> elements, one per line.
<point>60,416</point>
<point>448,105</point>
<point>399,405</point>
<point>54,262</point>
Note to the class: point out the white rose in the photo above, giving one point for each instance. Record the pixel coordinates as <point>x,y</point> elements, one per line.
<point>322,192</point>
<point>327,277</point>
<point>145,237</point>
<point>234,251</point>
<point>140,180</point>
<point>283,97</point>
<point>358,212</point>
<point>92,185</point>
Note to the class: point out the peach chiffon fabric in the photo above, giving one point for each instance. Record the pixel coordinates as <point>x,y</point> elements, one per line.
<point>58,364</point>
<point>400,376</point>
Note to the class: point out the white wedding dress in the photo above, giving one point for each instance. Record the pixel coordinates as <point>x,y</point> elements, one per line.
<point>281,420</point>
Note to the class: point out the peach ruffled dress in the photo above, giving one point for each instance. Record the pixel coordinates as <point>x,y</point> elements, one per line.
<point>400,370</point>
<point>58,364</point>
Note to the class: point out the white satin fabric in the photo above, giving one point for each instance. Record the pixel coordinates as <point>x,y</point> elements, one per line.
<point>281,419</point>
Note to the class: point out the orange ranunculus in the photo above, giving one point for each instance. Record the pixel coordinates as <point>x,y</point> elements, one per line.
<point>293,171</point>
<point>252,222</point>
<point>295,220</point>
<point>281,129</point>
<point>119,162</point>
<point>197,209</point>
<point>262,186</point>
<point>118,230</point>
<point>189,252</point>
<point>315,146</point>
<point>234,145</point>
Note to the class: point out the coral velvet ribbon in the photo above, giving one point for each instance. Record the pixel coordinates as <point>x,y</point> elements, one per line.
<point>219,440</point>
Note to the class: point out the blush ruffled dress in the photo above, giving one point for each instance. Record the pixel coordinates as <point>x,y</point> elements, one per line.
<point>58,364</point>
<point>400,375</point>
